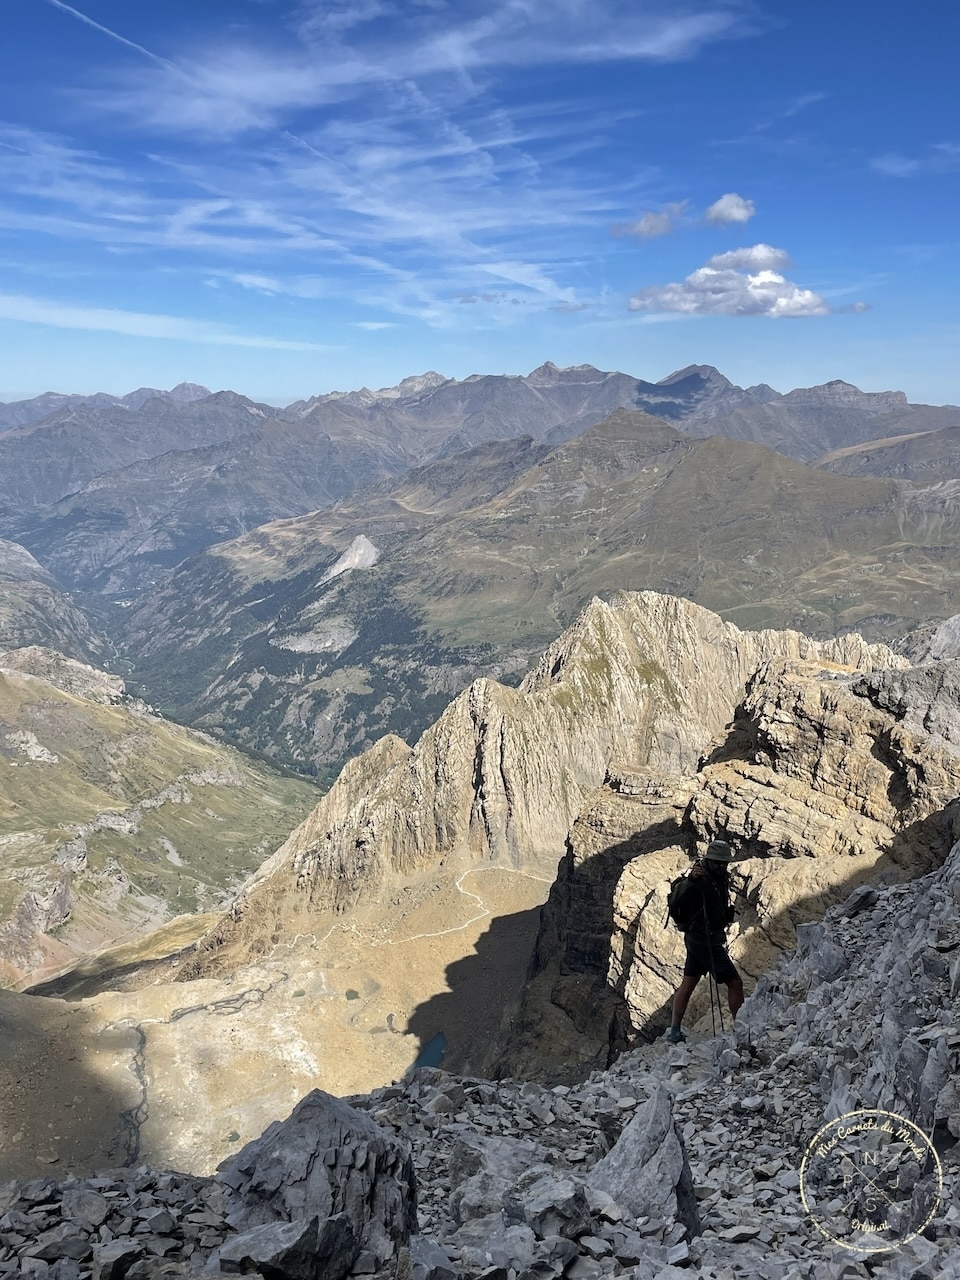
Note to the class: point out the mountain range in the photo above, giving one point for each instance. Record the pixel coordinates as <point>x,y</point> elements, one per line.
<point>539,640</point>
<point>18,413</point>
<point>107,493</point>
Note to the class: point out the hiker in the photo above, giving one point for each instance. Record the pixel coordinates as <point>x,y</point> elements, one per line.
<point>708,910</point>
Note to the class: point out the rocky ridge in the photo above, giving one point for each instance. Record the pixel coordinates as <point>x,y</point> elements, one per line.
<point>823,779</point>
<point>503,773</point>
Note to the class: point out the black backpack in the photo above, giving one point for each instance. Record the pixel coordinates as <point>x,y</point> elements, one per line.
<point>684,902</point>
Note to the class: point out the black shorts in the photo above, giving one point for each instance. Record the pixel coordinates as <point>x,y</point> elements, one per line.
<point>708,956</point>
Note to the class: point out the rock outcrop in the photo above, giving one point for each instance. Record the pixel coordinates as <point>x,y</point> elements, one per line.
<point>500,777</point>
<point>326,1160</point>
<point>824,781</point>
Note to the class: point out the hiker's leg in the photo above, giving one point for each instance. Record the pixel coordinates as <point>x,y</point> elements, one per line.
<point>735,994</point>
<point>682,997</point>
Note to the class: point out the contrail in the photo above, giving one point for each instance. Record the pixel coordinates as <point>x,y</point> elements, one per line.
<point>58,4</point>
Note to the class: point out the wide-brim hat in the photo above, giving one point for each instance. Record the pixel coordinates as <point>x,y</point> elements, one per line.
<point>718,851</point>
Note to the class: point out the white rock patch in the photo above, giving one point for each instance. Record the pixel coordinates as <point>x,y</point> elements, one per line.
<point>361,554</point>
<point>29,745</point>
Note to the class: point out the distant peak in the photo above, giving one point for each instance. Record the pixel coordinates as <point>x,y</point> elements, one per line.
<point>229,397</point>
<point>189,391</point>
<point>705,372</point>
<point>839,392</point>
<point>413,386</point>
<point>549,372</point>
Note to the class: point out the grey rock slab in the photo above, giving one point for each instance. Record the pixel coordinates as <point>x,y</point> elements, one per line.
<point>83,1204</point>
<point>647,1171</point>
<point>303,1249</point>
<point>550,1204</point>
<point>156,1220</point>
<point>482,1169</point>
<point>429,1261</point>
<point>112,1261</point>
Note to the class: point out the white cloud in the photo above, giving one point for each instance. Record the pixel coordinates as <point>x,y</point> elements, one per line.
<point>655,222</point>
<point>730,208</point>
<point>758,257</point>
<point>374,326</point>
<point>720,289</point>
<point>64,315</point>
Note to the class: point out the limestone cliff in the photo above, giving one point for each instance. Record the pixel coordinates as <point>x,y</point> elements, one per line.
<point>648,679</point>
<point>824,781</point>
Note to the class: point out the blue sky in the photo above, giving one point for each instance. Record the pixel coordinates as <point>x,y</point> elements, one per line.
<point>290,197</point>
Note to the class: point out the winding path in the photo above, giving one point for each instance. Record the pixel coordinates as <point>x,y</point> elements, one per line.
<point>484,909</point>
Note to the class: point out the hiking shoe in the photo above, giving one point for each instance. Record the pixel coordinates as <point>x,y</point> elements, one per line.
<point>675,1036</point>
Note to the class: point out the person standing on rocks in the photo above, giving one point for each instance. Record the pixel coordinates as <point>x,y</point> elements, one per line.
<point>705,936</point>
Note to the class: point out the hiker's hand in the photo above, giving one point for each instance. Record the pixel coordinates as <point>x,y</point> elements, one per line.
<point>697,869</point>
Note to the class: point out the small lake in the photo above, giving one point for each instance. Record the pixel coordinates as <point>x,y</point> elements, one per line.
<point>431,1055</point>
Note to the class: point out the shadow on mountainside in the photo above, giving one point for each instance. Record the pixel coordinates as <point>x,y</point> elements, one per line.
<point>483,986</point>
<point>62,1109</point>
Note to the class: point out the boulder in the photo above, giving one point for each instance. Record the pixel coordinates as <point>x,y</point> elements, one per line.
<point>326,1159</point>
<point>548,1202</point>
<point>482,1169</point>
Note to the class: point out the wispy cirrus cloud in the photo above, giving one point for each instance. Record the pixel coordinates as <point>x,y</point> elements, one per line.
<point>741,282</point>
<point>107,31</point>
<point>344,51</point>
<point>373,151</point>
<point>66,315</point>
<point>939,157</point>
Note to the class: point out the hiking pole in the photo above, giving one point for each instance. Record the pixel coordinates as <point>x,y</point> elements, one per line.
<point>713,976</point>
<point>711,983</point>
